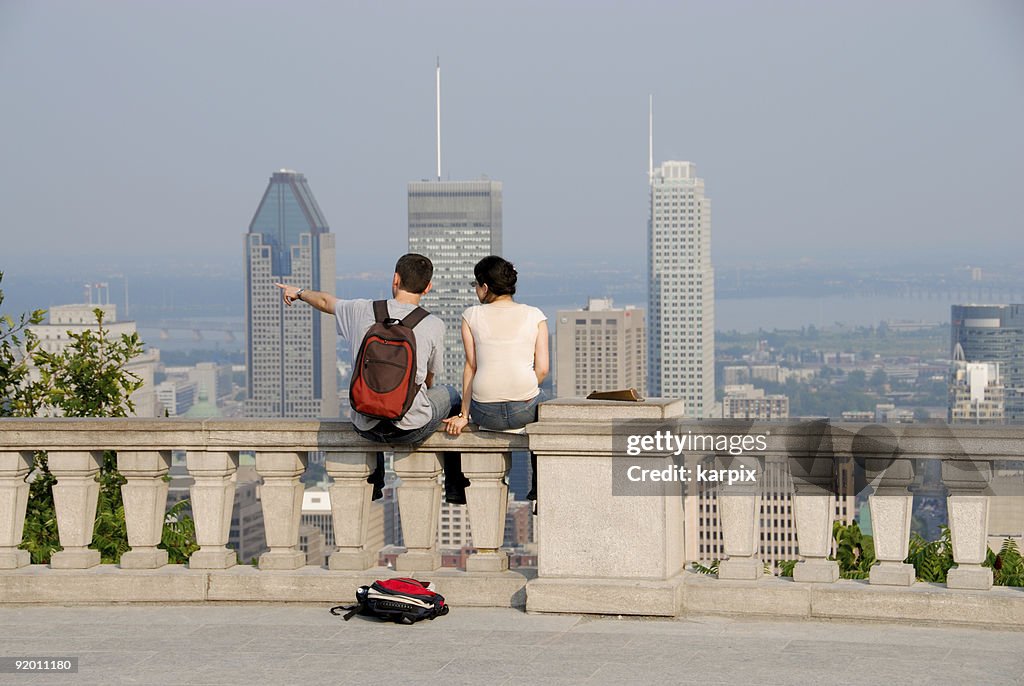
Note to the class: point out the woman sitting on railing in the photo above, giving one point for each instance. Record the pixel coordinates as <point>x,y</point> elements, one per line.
<point>506,356</point>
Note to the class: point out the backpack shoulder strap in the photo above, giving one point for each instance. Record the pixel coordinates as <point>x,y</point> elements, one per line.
<point>415,317</point>
<point>380,310</point>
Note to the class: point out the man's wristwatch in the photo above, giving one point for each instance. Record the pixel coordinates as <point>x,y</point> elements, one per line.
<point>298,294</point>
<point>462,415</point>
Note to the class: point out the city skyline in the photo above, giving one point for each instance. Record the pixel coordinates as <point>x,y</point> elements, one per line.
<point>773,93</point>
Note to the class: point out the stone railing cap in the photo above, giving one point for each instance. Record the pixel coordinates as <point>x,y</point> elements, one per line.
<point>583,410</point>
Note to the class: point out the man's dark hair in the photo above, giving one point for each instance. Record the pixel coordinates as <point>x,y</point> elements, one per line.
<point>414,272</point>
<point>498,273</point>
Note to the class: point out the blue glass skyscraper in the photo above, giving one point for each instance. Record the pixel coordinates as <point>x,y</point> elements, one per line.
<point>290,351</point>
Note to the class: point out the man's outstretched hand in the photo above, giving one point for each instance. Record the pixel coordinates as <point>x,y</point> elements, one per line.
<point>289,293</point>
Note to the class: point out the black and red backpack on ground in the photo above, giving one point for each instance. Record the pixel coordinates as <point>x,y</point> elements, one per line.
<point>402,601</point>
<point>384,380</point>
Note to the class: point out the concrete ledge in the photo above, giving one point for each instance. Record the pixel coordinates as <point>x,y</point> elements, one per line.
<point>606,596</point>
<point>767,596</point>
<point>689,593</point>
<point>854,600</point>
<point>1001,607</point>
<point>102,584</point>
<point>243,583</point>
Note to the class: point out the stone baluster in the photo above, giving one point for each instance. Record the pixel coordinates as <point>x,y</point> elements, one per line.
<point>968,522</point>
<point>75,495</point>
<point>419,504</point>
<point>891,506</point>
<point>739,512</point>
<point>281,495</point>
<point>213,499</point>
<point>358,536</point>
<point>145,505</point>
<point>14,467</point>
<point>814,508</point>
<point>487,499</point>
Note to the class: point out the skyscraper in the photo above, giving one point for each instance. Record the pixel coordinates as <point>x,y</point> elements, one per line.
<point>681,290</point>
<point>455,224</point>
<point>290,351</point>
<point>994,334</point>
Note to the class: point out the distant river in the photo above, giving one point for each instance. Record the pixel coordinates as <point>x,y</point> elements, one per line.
<point>751,314</point>
<point>793,312</point>
<point>741,314</point>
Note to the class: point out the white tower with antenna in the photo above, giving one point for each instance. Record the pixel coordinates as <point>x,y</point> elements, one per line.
<point>455,224</point>
<point>680,285</point>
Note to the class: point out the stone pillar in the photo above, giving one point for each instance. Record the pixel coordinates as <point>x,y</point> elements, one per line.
<point>968,522</point>
<point>281,496</point>
<point>74,498</point>
<point>419,503</point>
<point>739,513</point>
<point>145,505</point>
<point>358,542</point>
<point>14,467</point>
<point>213,499</point>
<point>487,500</point>
<point>814,508</point>
<point>891,506</point>
<point>606,545</point>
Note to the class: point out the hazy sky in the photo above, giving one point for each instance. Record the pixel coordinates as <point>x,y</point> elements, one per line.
<point>826,129</point>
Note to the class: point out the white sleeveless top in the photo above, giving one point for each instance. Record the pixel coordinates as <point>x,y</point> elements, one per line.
<point>505,337</point>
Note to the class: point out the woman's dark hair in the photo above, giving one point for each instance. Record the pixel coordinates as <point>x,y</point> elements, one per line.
<point>498,273</point>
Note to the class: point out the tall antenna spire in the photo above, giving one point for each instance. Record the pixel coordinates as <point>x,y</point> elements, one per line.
<point>650,138</point>
<point>438,98</point>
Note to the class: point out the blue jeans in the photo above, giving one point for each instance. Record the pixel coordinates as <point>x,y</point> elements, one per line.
<point>443,399</point>
<point>444,402</point>
<point>511,414</point>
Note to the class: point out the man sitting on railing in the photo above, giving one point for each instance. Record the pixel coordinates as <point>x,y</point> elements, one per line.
<point>432,403</point>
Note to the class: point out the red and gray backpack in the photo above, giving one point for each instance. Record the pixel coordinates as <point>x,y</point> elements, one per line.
<point>384,380</point>
<point>402,601</point>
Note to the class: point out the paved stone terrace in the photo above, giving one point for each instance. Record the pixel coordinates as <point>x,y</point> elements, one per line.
<point>303,644</point>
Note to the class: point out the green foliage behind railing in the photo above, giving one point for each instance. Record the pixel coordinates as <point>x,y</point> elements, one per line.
<point>87,378</point>
<point>932,560</point>
<point>1007,565</point>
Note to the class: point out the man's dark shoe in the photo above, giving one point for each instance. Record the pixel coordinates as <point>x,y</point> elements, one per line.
<point>455,496</point>
<point>455,493</point>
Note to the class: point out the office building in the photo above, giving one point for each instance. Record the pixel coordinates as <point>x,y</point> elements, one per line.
<point>454,530</point>
<point>63,320</point>
<point>994,334</point>
<point>290,351</point>
<point>681,290</point>
<point>455,224</point>
<point>976,394</point>
<point>177,396</point>
<point>743,401</point>
<point>600,348</point>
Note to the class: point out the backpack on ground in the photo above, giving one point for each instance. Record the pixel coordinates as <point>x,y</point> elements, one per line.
<point>402,601</point>
<point>384,379</point>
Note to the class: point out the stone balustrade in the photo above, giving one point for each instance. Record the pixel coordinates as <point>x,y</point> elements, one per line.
<point>143,446</point>
<point>600,550</point>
